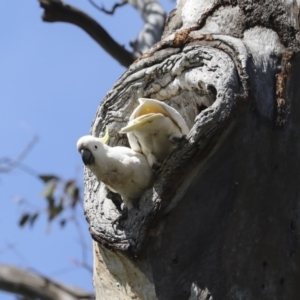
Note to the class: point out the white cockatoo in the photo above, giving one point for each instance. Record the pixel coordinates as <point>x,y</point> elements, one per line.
<point>121,169</point>
<point>154,129</point>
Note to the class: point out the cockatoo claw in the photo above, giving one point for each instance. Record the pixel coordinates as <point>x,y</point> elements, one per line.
<point>177,140</point>
<point>155,166</point>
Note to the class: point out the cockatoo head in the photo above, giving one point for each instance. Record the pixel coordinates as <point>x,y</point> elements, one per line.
<point>90,147</point>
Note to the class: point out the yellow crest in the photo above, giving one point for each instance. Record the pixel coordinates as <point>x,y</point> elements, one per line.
<point>105,138</point>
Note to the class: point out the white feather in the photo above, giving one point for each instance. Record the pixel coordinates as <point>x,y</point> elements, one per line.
<point>121,169</point>
<point>152,127</point>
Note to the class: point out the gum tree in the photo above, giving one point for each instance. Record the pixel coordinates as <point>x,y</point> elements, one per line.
<point>63,195</point>
<point>222,219</point>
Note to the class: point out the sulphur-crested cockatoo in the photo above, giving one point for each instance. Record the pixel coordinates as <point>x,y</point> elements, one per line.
<point>121,169</point>
<point>154,129</point>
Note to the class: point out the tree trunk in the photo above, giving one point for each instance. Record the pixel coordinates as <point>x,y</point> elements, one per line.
<point>222,219</point>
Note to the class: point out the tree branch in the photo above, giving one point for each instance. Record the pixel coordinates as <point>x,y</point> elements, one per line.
<point>154,17</point>
<point>11,164</point>
<point>106,11</point>
<point>57,11</point>
<point>18,281</point>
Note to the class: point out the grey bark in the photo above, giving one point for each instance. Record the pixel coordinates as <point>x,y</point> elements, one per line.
<point>222,219</point>
<point>35,286</point>
<point>153,16</point>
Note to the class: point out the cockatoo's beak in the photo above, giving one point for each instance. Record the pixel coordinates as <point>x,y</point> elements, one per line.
<point>87,156</point>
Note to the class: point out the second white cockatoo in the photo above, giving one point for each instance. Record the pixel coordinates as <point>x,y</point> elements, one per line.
<point>154,129</point>
<point>121,169</point>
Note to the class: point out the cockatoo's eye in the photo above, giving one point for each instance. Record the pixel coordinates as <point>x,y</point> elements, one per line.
<point>96,147</point>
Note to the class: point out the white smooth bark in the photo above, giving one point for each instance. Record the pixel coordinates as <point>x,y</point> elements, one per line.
<point>154,16</point>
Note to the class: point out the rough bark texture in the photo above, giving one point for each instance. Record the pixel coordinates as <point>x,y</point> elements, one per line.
<point>222,219</point>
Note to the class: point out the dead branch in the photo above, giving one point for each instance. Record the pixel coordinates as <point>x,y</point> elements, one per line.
<point>84,247</point>
<point>11,164</point>
<point>22,282</point>
<point>154,17</point>
<point>57,11</point>
<point>109,12</point>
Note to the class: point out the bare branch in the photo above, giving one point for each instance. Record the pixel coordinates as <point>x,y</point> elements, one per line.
<point>22,282</point>
<point>57,11</point>
<point>109,12</point>
<point>154,17</point>
<point>10,164</point>
<point>84,248</point>
<point>12,247</point>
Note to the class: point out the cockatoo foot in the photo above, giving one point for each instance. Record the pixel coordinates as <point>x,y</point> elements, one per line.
<point>156,166</point>
<point>178,139</point>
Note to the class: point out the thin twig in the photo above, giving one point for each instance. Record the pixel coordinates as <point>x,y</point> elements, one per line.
<point>109,12</point>
<point>13,249</point>
<point>83,245</point>
<point>63,271</point>
<point>83,265</point>
<point>28,170</point>
<point>11,164</point>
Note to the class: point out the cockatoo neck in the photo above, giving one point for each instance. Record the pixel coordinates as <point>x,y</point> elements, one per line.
<point>101,156</point>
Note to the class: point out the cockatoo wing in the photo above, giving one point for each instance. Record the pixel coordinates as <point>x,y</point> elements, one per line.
<point>133,142</point>
<point>138,122</point>
<point>148,106</point>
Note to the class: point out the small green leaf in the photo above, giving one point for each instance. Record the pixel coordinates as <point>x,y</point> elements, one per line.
<point>33,219</point>
<point>73,191</point>
<point>55,211</point>
<point>47,178</point>
<point>69,185</point>
<point>51,202</point>
<point>24,219</point>
<point>75,196</point>
<point>49,189</point>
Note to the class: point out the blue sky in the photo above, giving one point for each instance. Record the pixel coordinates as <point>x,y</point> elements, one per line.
<point>53,77</point>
